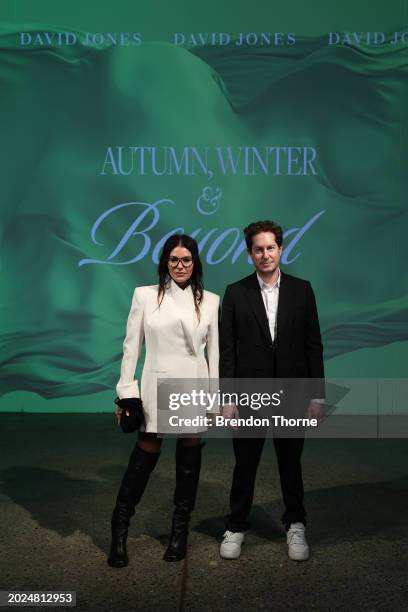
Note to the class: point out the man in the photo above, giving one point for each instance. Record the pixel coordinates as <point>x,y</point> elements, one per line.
<point>270,328</point>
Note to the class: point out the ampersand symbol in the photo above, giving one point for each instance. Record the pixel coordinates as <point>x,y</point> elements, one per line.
<point>209,201</point>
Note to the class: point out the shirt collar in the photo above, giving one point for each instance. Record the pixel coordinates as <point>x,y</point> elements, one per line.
<point>263,285</point>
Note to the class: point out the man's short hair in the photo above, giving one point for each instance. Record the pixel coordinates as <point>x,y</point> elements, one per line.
<point>263,226</point>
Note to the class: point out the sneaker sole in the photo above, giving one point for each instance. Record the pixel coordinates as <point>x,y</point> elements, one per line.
<point>300,558</point>
<point>230,557</point>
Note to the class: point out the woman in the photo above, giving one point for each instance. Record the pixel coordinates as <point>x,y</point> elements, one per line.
<point>177,319</point>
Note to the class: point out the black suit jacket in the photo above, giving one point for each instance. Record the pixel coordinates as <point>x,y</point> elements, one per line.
<point>246,348</point>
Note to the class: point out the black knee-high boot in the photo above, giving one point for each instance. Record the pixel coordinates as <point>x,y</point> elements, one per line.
<point>141,464</point>
<point>188,464</point>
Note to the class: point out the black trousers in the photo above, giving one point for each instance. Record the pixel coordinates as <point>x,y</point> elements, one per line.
<point>248,452</point>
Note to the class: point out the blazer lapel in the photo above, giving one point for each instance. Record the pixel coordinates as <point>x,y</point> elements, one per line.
<point>254,294</point>
<point>283,306</point>
<point>184,305</point>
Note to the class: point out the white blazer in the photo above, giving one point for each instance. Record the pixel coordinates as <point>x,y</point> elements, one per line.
<point>175,341</point>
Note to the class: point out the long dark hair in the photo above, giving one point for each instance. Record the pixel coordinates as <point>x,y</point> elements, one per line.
<point>196,278</point>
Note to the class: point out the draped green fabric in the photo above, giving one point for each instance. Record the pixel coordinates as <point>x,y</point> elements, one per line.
<point>65,292</point>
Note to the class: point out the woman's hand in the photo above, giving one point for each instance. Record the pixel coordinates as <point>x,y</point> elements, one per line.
<point>129,404</point>
<point>118,413</point>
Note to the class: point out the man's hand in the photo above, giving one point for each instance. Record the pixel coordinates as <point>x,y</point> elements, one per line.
<point>316,410</point>
<point>230,411</point>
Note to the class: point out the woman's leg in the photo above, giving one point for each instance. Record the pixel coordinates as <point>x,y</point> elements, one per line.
<point>188,465</point>
<point>149,442</point>
<point>189,441</point>
<point>141,464</point>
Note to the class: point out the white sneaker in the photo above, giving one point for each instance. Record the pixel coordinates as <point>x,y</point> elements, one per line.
<point>231,545</point>
<point>298,549</point>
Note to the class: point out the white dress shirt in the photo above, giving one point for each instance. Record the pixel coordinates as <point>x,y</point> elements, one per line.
<point>270,296</point>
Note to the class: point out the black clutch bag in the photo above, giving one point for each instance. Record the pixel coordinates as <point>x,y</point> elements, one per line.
<point>132,417</point>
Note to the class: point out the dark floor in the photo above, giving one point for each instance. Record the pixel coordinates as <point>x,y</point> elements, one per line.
<point>59,477</point>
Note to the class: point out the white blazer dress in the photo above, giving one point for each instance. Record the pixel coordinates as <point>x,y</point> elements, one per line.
<point>175,343</point>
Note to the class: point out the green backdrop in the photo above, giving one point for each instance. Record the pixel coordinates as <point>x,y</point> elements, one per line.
<point>79,232</point>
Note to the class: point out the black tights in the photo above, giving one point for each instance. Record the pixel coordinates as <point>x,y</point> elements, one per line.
<point>151,443</point>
